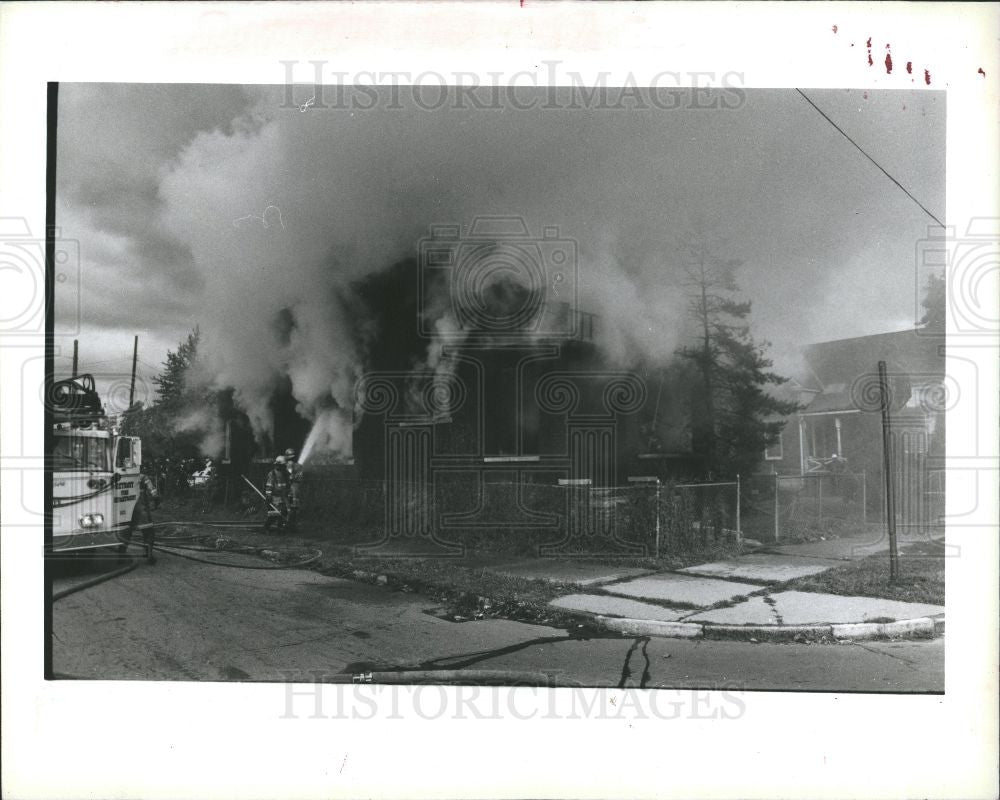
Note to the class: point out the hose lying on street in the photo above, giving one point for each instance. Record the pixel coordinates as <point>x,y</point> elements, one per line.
<point>173,548</point>
<point>244,525</point>
<point>297,565</point>
<point>134,562</point>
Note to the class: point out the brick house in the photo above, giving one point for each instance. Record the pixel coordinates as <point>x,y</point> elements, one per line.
<point>840,425</point>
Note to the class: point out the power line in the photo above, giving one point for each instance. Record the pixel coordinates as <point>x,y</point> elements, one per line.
<point>835,125</point>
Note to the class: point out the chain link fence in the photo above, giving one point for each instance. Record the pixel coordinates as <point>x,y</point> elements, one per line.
<point>795,507</point>
<point>644,518</point>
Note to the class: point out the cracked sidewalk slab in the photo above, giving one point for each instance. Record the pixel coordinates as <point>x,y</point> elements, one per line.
<point>606,605</point>
<point>763,567</point>
<point>814,608</point>
<point>674,588</point>
<point>753,611</point>
<point>804,608</point>
<point>566,572</point>
<point>849,548</point>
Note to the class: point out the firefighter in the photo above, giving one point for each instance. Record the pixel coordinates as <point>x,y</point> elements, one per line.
<point>148,495</point>
<point>276,491</point>
<point>295,487</point>
<point>147,492</point>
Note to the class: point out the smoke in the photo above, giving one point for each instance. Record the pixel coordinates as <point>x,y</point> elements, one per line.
<point>206,423</point>
<point>285,211</point>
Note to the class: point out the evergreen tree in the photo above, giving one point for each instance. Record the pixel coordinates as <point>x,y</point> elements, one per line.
<point>164,440</point>
<point>733,416</point>
<point>170,383</point>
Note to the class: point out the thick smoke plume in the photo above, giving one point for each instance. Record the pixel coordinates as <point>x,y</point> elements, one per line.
<point>286,211</point>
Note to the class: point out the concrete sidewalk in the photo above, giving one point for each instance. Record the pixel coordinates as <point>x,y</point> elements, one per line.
<point>732,597</point>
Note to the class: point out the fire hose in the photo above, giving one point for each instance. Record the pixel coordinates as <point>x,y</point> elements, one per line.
<point>259,492</point>
<point>95,581</point>
<point>297,565</point>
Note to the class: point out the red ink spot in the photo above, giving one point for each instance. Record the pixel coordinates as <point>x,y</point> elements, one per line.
<point>869,46</point>
<point>980,71</point>
<point>834,28</point>
<point>888,64</point>
<point>909,67</point>
<point>927,77</point>
<point>865,95</point>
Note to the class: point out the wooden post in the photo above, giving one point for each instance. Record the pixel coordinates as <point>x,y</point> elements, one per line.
<point>777,529</point>
<point>657,518</point>
<point>135,357</point>
<point>739,532</point>
<point>76,351</point>
<point>864,497</point>
<point>890,501</point>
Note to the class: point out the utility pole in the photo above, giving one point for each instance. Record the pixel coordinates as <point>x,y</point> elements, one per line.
<point>890,501</point>
<point>76,352</point>
<point>135,358</point>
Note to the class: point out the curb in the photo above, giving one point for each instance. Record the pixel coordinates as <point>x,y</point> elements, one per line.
<point>920,628</point>
<point>650,627</point>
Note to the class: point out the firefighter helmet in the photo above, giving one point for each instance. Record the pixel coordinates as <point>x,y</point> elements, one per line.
<point>290,454</point>
<point>279,460</point>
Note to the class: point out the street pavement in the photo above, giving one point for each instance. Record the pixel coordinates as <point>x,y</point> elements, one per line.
<point>180,620</point>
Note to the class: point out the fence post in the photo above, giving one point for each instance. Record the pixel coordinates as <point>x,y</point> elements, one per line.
<point>819,480</point>
<point>657,551</point>
<point>777,529</point>
<point>739,531</point>
<point>864,498</point>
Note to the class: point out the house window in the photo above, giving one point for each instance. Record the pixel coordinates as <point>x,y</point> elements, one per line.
<point>775,452</point>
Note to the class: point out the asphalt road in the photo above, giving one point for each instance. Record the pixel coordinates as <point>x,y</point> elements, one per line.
<point>180,620</point>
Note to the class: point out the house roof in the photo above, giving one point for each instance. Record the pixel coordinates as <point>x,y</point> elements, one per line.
<point>845,360</point>
<point>830,401</point>
<point>843,369</point>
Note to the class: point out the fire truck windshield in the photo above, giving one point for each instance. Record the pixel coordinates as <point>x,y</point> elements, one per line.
<point>78,452</point>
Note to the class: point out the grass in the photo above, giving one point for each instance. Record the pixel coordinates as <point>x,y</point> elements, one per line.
<point>921,576</point>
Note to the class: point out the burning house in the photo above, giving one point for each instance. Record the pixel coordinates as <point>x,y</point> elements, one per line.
<point>481,371</point>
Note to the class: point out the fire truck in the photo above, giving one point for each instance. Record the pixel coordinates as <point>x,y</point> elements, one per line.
<point>94,471</point>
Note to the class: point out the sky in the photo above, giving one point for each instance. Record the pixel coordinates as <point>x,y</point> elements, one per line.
<point>218,206</point>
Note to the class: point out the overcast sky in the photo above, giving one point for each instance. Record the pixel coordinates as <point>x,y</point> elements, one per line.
<point>158,185</point>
